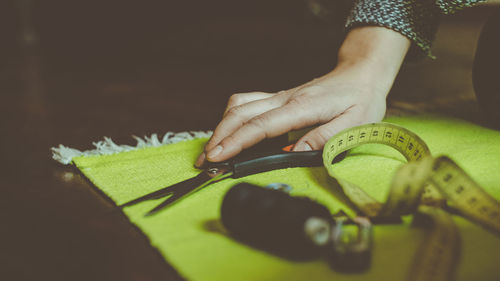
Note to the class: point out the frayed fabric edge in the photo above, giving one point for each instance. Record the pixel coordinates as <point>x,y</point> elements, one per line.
<point>65,155</point>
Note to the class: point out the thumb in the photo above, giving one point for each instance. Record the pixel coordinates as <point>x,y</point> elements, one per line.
<point>317,138</point>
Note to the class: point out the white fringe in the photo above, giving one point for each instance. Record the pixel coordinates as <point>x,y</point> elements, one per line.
<point>64,154</point>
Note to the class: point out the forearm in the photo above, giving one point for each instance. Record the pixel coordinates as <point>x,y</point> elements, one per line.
<point>416,19</point>
<point>376,53</point>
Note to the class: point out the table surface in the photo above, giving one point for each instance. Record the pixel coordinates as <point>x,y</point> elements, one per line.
<point>75,76</point>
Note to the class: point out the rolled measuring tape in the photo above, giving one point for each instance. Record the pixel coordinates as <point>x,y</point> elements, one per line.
<point>422,186</point>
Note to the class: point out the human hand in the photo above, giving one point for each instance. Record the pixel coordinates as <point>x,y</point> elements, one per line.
<point>352,94</point>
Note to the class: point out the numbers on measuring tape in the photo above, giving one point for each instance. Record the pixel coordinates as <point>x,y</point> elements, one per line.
<point>472,201</point>
<point>447,177</point>
<point>410,146</point>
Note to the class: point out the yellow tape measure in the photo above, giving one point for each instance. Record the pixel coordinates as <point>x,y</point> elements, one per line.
<point>421,186</point>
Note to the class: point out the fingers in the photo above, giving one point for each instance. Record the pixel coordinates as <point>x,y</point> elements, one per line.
<point>266,125</point>
<point>241,108</point>
<point>239,99</point>
<point>200,160</point>
<point>316,139</point>
<point>237,116</point>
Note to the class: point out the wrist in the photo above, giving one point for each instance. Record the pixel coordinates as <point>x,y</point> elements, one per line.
<point>376,53</point>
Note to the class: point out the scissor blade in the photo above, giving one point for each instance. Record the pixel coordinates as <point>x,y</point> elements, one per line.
<point>186,184</point>
<point>180,193</point>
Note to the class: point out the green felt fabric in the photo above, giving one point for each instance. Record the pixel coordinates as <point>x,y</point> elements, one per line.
<point>190,237</point>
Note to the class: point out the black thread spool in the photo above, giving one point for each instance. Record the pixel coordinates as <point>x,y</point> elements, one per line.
<point>296,228</point>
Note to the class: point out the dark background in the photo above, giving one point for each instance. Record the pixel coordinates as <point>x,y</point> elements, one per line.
<point>74,71</point>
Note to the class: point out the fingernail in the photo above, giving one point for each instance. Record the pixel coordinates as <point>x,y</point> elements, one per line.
<point>303,146</point>
<point>200,160</point>
<point>214,152</point>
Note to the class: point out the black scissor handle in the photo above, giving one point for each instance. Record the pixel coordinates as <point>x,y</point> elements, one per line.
<point>249,164</point>
<point>279,160</point>
<point>252,162</point>
<point>270,155</point>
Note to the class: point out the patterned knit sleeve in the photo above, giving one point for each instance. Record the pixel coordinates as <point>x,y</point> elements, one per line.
<point>416,19</point>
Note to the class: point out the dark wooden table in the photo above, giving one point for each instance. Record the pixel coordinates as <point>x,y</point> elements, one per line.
<point>72,73</point>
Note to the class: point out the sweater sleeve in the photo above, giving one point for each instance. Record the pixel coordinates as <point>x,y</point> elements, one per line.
<point>416,19</point>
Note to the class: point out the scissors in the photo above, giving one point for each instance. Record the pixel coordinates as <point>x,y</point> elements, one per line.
<point>245,164</point>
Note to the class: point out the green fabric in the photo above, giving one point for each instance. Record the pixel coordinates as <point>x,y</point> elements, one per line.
<point>190,238</point>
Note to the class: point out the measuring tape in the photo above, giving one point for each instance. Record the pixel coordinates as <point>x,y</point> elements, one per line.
<point>424,186</point>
